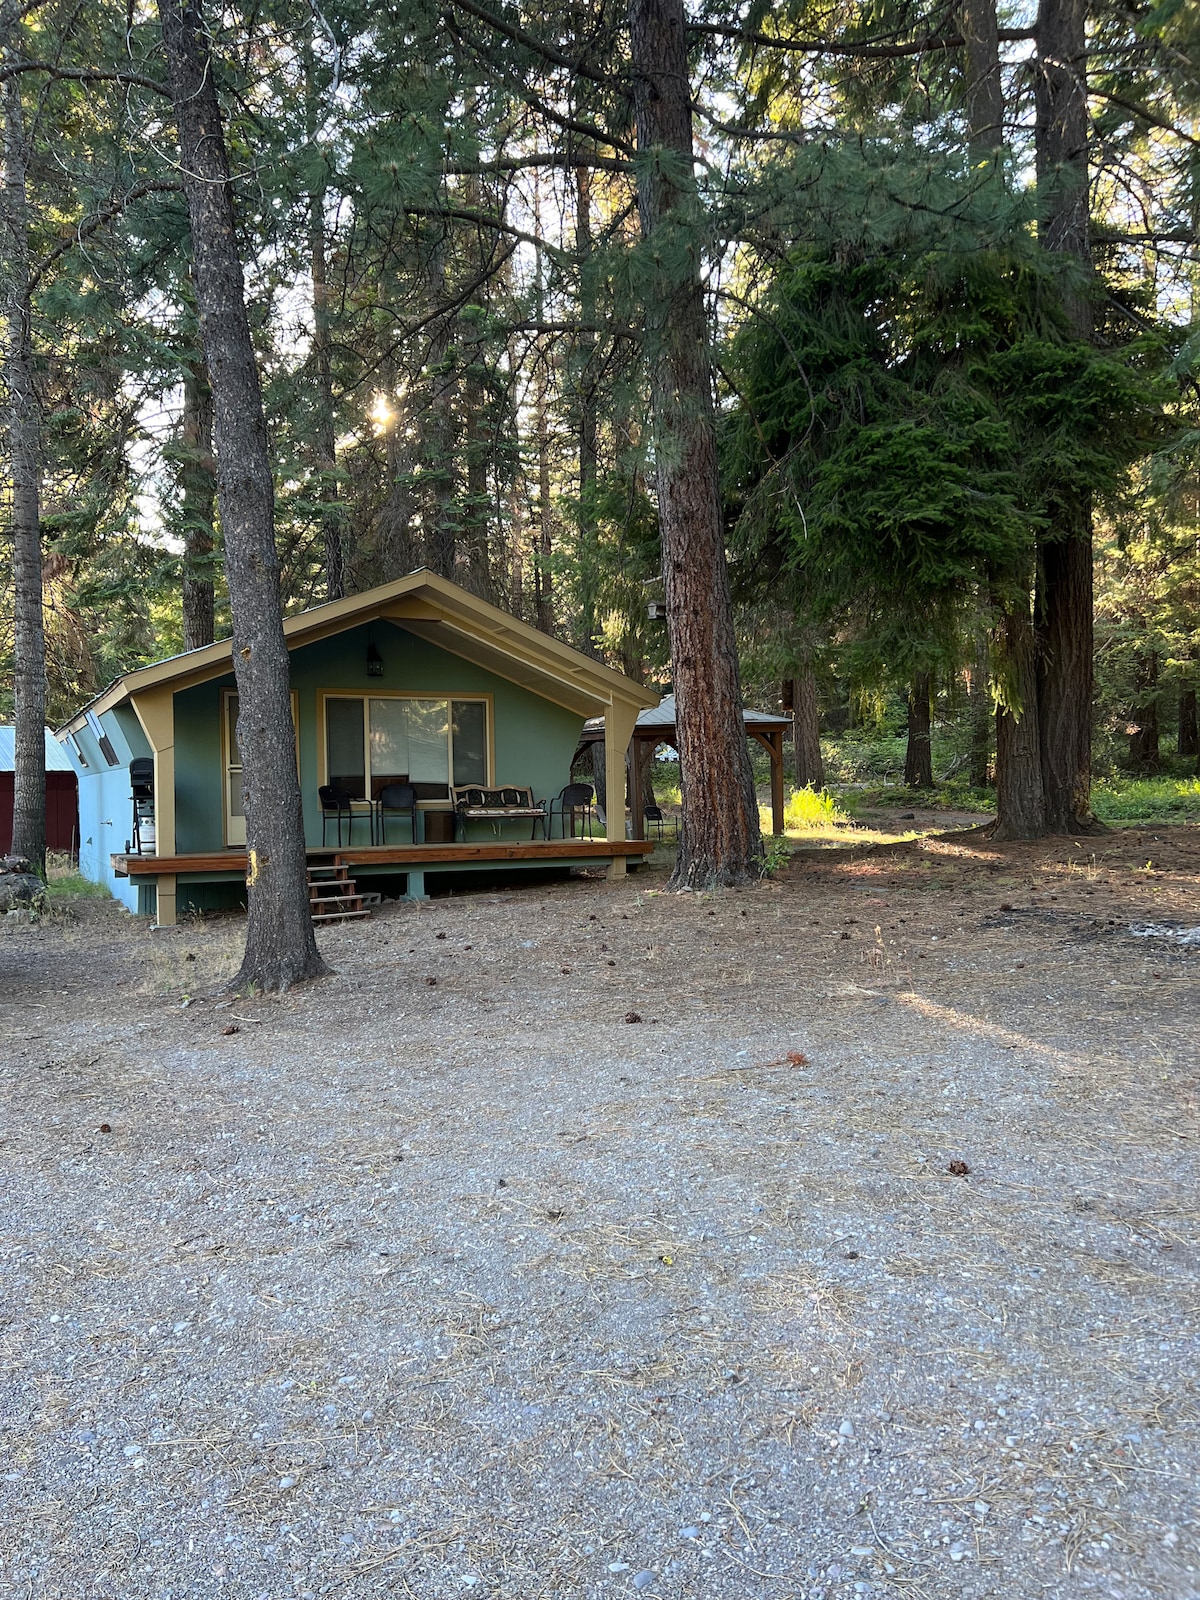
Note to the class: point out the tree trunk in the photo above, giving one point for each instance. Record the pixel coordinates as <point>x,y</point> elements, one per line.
<point>720,838</point>
<point>918,758</point>
<point>326,429</point>
<point>1144,753</point>
<point>588,557</point>
<point>543,538</point>
<point>280,944</point>
<point>24,443</point>
<point>395,536</point>
<point>198,493</point>
<point>1065,613</point>
<point>1189,729</point>
<point>598,766</point>
<point>1065,679</point>
<point>1020,799</point>
<point>809,767</point>
<point>441,538</point>
<point>984,88</point>
<point>985,122</point>
<point>476,518</point>
<point>980,748</point>
<point>543,578</point>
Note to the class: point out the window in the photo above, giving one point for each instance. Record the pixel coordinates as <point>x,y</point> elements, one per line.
<point>102,739</point>
<point>377,739</point>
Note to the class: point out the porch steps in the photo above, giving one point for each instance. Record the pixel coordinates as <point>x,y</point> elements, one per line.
<point>333,895</point>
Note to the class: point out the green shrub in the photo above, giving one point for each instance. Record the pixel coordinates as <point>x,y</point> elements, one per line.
<point>1146,799</point>
<point>806,808</point>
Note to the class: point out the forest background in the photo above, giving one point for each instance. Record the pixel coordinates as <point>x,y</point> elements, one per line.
<point>948,263</point>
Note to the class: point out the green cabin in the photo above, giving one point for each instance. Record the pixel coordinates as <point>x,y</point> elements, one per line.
<point>417,680</point>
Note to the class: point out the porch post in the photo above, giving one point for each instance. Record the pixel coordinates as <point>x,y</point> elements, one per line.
<point>156,712</point>
<point>619,720</point>
<point>777,783</point>
<point>772,743</point>
<point>636,775</point>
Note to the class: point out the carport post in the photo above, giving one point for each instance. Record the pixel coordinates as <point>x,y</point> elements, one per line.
<point>619,720</point>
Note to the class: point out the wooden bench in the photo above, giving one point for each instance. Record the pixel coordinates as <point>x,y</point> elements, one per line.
<point>473,803</point>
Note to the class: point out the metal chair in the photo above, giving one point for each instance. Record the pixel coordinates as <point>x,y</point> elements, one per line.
<point>575,798</point>
<point>396,800</point>
<point>656,824</point>
<point>337,803</point>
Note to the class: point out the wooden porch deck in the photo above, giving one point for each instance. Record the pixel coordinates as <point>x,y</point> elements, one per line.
<point>421,857</point>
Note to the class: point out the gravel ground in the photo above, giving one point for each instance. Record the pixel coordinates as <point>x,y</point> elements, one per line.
<point>584,1240</point>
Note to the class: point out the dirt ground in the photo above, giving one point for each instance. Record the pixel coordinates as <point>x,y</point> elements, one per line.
<point>579,1239</point>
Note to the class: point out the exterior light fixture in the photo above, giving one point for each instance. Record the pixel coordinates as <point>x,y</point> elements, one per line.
<point>374,662</point>
<point>656,611</point>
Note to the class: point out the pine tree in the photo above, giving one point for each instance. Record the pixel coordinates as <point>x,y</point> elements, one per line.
<point>280,946</point>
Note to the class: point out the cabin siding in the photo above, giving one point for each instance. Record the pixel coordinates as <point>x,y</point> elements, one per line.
<point>533,739</point>
<point>105,809</point>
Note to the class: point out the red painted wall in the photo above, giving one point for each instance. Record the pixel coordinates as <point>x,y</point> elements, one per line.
<point>62,811</point>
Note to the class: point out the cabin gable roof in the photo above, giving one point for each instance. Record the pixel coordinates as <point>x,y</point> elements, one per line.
<point>433,608</point>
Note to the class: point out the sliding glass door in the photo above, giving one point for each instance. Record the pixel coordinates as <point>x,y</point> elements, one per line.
<point>372,740</point>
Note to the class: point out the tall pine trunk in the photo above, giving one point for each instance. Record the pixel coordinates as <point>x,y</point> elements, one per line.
<point>24,443</point>
<point>806,723</point>
<point>720,839</point>
<point>1144,752</point>
<point>543,538</point>
<point>476,517</point>
<point>543,526</point>
<point>198,495</point>
<point>980,707</point>
<point>918,757</point>
<point>1189,725</point>
<point>1065,608</point>
<point>280,945</point>
<point>441,518</point>
<point>984,87</point>
<point>326,431</point>
<point>589,431</point>
<point>1020,799</point>
<point>396,539</point>
<point>1064,672</point>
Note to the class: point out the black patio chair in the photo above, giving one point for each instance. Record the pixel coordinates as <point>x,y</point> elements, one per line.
<point>336,803</point>
<point>576,798</point>
<point>656,824</point>
<point>396,800</point>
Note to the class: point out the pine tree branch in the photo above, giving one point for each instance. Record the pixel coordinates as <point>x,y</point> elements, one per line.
<point>509,30</point>
<point>485,219</point>
<point>100,220</point>
<point>881,49</point>
<point>133,80</point>
<point>1151,118</point>
<point>546,158</point>
<point>535,103</point>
